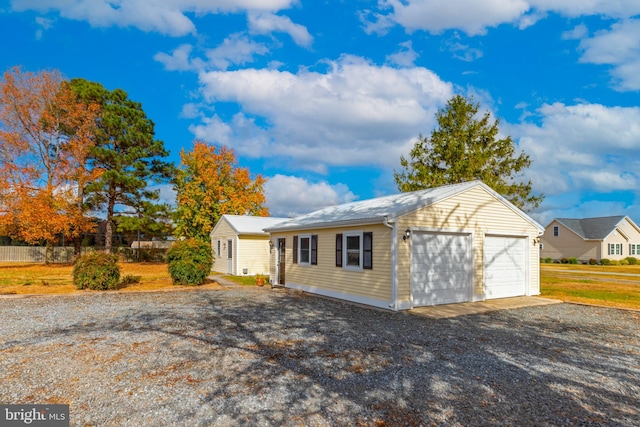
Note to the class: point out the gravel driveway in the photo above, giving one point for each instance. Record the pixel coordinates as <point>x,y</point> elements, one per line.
<point>262,357</point>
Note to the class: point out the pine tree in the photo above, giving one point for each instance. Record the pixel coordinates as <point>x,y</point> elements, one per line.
<point>464,148</point>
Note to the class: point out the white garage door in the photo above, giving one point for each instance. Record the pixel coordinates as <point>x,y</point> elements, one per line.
<point>505,266</point>
<point>440,268</point>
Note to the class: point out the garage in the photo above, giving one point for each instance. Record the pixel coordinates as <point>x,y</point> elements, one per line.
<point>505,266</point>
<point>441,268</point>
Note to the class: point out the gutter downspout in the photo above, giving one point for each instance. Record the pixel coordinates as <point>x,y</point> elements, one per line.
<point>394,262</point>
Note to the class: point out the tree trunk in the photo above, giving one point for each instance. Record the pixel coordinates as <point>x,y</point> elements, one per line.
<point>48,253</point>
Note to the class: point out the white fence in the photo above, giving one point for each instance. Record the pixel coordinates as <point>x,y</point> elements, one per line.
<point>65,254</point>
<point>34,254</point>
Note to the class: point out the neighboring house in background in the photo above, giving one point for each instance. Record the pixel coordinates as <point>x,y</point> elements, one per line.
<point>456,243</point>
<point>240,245</point>
<point>612,237</point>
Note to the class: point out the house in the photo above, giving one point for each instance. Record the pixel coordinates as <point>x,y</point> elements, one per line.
<point>456,243</point>
<point>612,237</point>
<point>240,246</point>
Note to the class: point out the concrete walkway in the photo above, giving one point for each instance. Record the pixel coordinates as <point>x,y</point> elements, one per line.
<point>462,309</point>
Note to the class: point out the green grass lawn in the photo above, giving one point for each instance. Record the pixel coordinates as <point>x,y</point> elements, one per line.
<point>583,286</point>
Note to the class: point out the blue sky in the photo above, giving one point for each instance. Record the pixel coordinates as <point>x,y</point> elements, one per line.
<point>322,97</point>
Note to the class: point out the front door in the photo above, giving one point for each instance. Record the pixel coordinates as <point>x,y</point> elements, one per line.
<point>229,256</point>
<point>281,261</point>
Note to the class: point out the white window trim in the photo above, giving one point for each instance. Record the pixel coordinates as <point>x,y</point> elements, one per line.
<point>345,252</point>
<point>614,249</point>
<point>300,237</point>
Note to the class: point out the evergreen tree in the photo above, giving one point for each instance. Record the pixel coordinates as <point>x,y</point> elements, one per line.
<point>127,153</point>
<point>464,148</point>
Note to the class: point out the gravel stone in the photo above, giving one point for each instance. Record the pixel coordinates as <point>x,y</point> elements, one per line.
<point>262,357</point>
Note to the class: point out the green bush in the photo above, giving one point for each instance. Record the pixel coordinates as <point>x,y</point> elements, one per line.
<point>548,260</point>
<point>614,262</point>
<point>605,261</point>
<point>97,271</point>
<point>573,260</point>
<point>624,262</point>
<point>632,260</point>
<point>130,280</point>
<point>190,262</point>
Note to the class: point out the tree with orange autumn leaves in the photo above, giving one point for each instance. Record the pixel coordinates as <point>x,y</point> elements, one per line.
<point>45,139</point>
<point>209,184</point>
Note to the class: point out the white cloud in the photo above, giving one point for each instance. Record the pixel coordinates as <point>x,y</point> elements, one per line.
<point>405,56</point>
<point>166,193</point>
<point>267,23</point>
<point>179,60</point>
<point>162,16</point>
<point>462,51</point>
<point>355,113</point>
<point>620,47</point>
<point>575,8</point>
<point>470,16</point>
<point>585,147</point>
<point>44,24</point>
<point>237,49</point>
<point>577,33</point>
<point>289,196</point>
<point>475,17</point>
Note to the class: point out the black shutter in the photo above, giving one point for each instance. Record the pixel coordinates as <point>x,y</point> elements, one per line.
<point>338,250</point>
<point>295,249</point>
<point>367,250</point>
<point>314,249</point>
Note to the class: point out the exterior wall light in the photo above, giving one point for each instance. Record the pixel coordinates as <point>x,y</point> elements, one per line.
<point>407,234</point>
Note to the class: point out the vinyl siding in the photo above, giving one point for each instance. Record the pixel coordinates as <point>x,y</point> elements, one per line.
<point>631,235</point>
<point>224,232</point>
<point>568,244</point>
<point>253,254</point>
<point>475,211</point>
<point>374,284</point>
<point>249,251</point>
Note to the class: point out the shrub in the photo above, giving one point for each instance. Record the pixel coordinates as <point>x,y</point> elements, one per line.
<point>548,260</point>
<point>573,260</point>
<point>592,261</point>
<point>624,262</point>
<point>614,262</point>
<point>605,261</point>
<point>97,271</point>
<point>564,260</point>
<point>130,280</point>
<point>190,262</point>
<point>632,261</point>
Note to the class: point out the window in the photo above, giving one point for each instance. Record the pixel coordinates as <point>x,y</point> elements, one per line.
<point>634,249</point>
<point>556,230</point>
<point>354,250</point>
<point>305,249</point>
<point>614,249</point>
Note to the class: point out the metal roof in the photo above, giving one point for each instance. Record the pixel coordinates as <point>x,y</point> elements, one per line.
<point>247,224</point>
<point>592,228</point>
<point>387,207</point>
